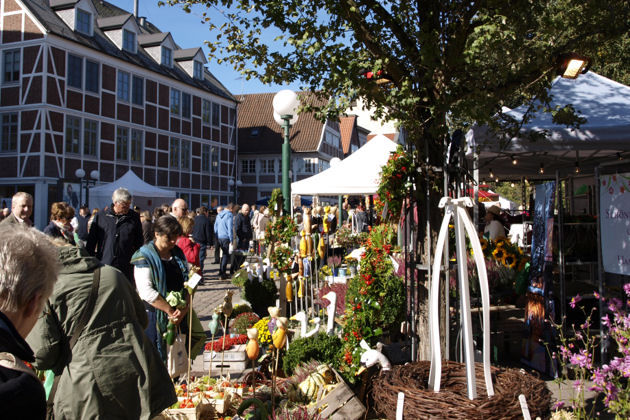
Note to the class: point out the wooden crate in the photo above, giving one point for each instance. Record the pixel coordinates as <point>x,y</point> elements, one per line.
<point>340,403</point>
<point>236,354</point>
<point>234,361</point>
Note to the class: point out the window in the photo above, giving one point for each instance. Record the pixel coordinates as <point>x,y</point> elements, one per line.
<point>216,114</point>
<point>323,165</point>
<point>75,71</point>
<point>205,158</point>
<point>215,160</point>
<point>122,143</point>
<point>185,155</point>
<point>136,146</point>
<point>129,41</point>
<point>11,66</point>
<point>73,135</point>
<point>333,139</point>
<point>174,153</point>
<point>248,166</point>
<point>84,22</point>
<point>307,165</point>
<point>91,76</point>
<point>205,111</point>
<point>123,86</point>
<point>90,138</point>
<point>175,101</point>
<point>268,166</point>
<point>137,94</point>
<point>167,56</point>
<point>8,142</point>
<point>197,70</point>
<point>186,105</point>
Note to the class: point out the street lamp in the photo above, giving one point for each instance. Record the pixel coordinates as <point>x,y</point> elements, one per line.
<point>238,184</point>
<point>570,66</point>
<point>80,173</point>
<point>285,105</point>
<point>334,162</point>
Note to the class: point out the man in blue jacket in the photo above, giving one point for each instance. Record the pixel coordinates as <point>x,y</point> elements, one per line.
<point>223,229</point>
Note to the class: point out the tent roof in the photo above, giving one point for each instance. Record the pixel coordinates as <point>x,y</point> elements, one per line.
<point>603,102</point>
<point>359,173</point>
<point>135,185</point>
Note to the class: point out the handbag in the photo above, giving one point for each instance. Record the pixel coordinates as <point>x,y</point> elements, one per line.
<point>177,357</point>
<point>85,316</point>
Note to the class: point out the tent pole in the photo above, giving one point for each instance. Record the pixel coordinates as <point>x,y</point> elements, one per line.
<point>563,295</point>
<point>600,273</point>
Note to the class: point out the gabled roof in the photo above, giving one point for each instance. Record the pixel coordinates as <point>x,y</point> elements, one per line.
<point>151,40</point>
<point>349,135</point>
<point>186,54</point>
<point>259,133</point>
<point>44,13</point>
<point>113,22</point>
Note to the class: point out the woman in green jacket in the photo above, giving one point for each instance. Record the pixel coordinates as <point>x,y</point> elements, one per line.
<point>113,370</point>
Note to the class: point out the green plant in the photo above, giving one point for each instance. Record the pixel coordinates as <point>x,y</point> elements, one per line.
<point>259,294</point>
<point>241,308</point>
<point>281,230</point>
<point>348,239</point>
<point>244,321</point>
<point>396,177</point>
<point>321,347</point>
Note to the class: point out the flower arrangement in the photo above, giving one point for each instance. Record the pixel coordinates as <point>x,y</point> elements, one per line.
<point>374,300</point>
<point>280,230</point>
<point>244,321</point>
<point>576,353</point>
<point>396,177</point>
<point>334,261</point>
<point>264,336</point>
<point>348,239</point>
<point>217,345</point>
<point>281,258</point>
<point>325,271</point>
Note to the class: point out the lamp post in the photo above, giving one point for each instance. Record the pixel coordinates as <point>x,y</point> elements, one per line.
<point>238,183</point>
<point>334,162</point>
<point>87,182</point>
<point>285,104</point>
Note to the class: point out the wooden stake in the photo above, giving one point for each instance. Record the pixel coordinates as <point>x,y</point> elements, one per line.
<point>210,368</point>
<point>223,352</point>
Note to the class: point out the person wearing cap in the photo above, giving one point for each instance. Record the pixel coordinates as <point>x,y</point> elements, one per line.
<point>494,226</point>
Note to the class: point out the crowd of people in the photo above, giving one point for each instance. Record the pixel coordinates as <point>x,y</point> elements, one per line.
<point>85,301</point>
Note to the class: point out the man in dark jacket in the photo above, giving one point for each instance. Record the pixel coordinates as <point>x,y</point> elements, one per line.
<point>244,234</point>
<point>82,220</point>
<point>32,269</point>
<point>116,234</point>
<point>212,217</point>
<point>202,233</point>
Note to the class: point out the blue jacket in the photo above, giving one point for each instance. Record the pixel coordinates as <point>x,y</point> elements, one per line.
<point>223,225</point>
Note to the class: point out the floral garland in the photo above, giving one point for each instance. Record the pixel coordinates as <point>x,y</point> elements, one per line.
<point>374,301</point>
<point>282,229</point>
<point>396,176</point>
<point>281,258</point>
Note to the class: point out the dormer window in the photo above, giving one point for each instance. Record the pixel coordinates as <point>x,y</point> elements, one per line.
<point>198,70</point>
<point>83,22</point>
<point>167,57</point>
<point>129,41</point>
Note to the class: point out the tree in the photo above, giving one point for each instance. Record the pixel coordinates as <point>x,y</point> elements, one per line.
<point>447,63</point>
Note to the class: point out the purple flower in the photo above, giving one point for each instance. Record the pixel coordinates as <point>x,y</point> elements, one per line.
<point>575,300</point>
<point>558,405</point>
<point>606,320</point>
<point>582,359</point>
<point>626,288</point>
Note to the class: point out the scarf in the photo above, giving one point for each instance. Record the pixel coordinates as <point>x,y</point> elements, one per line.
<point>148,256</point>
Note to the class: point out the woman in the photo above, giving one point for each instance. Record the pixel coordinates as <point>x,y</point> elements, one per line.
<point>113,371</point>
<point>494,225</point>
<point>28,271</point>
<point>186,243</point>
<point>147,226</point>
<point>59,227</point>
<point>160,267</point>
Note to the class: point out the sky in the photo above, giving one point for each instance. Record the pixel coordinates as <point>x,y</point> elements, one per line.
<point>188,31</point>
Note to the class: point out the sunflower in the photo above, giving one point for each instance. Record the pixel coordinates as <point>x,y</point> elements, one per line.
<point>509,260</point>
<point>498,253</point>
<point>484,244</point>
<point>501,243</point>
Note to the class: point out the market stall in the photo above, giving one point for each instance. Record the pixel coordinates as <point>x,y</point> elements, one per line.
<point>144,195</point>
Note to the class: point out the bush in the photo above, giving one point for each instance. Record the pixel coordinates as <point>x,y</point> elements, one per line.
<point>240,309</point>
<point>244,321</point>
<point>260,295</point>
<point>321,347</point>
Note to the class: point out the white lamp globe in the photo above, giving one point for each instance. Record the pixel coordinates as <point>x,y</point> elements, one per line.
<point>334,162</point>
<point>80,173</point>
<point>278,119</point>
<point>286,102</point>
<point>94,174</point>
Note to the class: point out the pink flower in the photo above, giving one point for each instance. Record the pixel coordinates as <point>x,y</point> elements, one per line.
<point>626,288</point>
<point>575,300</point>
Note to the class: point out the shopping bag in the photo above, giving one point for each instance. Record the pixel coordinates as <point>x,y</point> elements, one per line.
<point>231,248</point>
<point>177,357</point>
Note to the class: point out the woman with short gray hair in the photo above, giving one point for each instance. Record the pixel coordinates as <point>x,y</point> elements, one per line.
<point>28,272</point>
<point>121,195</point>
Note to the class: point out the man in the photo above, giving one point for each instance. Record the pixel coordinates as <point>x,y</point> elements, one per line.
<point>116,233</point>
<point>82,223</point>
<point>223,229</point>
<point>21,210</point>
<point>179,208</point>
<point>202,233</point>
<point>244,233</point>
<point>215,239</point>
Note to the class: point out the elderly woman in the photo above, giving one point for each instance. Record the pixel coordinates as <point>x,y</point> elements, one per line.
<point>59,227</point>
<point>113,370</point>
<point>28,271</point>
<point>494,224</point>
<point>160,267</point>
<point>187,244</point>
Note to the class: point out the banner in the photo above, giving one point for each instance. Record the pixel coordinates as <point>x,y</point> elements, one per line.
<point>614,218</point>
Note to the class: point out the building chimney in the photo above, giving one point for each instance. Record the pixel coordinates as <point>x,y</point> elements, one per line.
<point>135,8</point>
<point>142,20</point>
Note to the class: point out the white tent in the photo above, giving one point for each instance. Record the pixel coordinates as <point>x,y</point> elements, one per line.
<point>604,103</point>
<point>144,195</point>
<point>357,174</point>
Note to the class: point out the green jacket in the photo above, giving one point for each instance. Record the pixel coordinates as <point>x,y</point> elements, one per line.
<point>113,371</point>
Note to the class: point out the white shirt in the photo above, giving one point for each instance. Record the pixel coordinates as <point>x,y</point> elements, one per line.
<point>495,230</point>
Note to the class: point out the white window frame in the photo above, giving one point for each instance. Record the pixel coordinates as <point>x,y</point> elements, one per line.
<point>205,158</point>
<point>185,154</point>
<point>80,72</point>
<point>186,105</point>
<point>90,63</point>
<point>72,135</point>
<point>122,143</point>
<point>123,88</point>
<point>12,131</point>
<point>206,112</point>
<point>88,132</point>
<point>215,160</point>
<point>13,53</point>
<point>129,41</point>
<point>135,80</point>
<point>197,70</point>
<point>166,56</point>
<point>176,102</point>
<point>267,166</point>
<point>248,166</point>
<point>216,114</point>
<point>136,149</point>
<point>174,149</point>
<point>77,22</point>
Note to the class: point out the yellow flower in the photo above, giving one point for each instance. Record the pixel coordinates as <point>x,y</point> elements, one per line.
<point>501,243</point>
<point>498,253</point>
<point>484,243</point>
<point>509,260</point>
